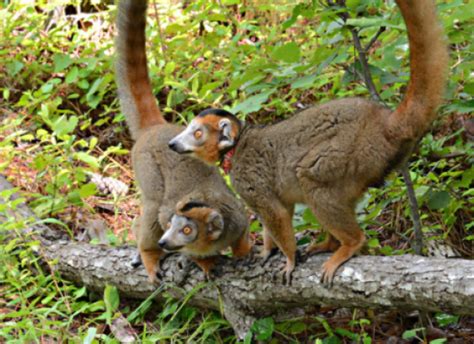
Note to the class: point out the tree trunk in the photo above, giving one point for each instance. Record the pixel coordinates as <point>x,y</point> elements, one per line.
<point>245,290</point>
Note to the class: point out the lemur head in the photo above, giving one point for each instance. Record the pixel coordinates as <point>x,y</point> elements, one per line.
<point>208,136</point>
<point>192,229</point>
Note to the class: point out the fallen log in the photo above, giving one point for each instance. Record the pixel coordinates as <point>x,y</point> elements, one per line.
<point>246,290</point>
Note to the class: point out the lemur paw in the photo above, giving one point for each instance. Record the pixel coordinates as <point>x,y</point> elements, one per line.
<point>136,261</point>
<point>285,274</point>
<point>155,279</point>
<point>329,271</point>
<point>208,276</point>
<point>248,260</point>
<point>265,255</point>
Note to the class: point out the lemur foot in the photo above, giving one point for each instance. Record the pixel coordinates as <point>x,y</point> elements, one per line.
<point>265,255</point>
<point>136,261</point>
<point>285,274</point>
<point>328,245</point>
<point>329,271</point>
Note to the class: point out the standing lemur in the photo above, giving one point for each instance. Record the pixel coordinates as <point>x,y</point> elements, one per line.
<point>328,155</point>
<point>187,196</point>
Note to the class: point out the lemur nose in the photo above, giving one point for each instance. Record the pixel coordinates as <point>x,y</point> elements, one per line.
<point>162,243</point>
<point>172,145</point>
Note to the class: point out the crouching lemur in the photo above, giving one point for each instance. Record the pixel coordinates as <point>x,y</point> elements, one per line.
<point>328,155</point>
<point>184,194</point>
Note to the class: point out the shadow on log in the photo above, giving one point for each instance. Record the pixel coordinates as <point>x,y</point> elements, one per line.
<point>246,291</point>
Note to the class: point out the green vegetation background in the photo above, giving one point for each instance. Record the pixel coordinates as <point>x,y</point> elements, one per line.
<point>60,122</point>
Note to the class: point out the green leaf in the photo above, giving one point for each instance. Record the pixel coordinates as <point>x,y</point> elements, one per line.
<point>411,333</point>
<point>309,217</point>
<point>373,243</point>
<point>14,67</point>
<point>353,4</point>
<point>461,106</point>
<point>6,93</point>
<point>61,62</point>
<point>64,125</point>
<point>346,333</point>
<point>248,78</point>
<point>87,190</point>
<point>90,335</point>
<point>252,104</point>
<point>444,319</point>
<point>304,82</point>
<point>289,53</point>
<point>248,338</point>
<point>297,327</point>
<point>72,75</point>
<point>111,299</point>
<point>469,88</point>
<point>386,250</point>
<point>87,158</point>
<point>297,10</point>
<point>438,341</point>
<point>439,200</point>
<point>367,22</point>
<point>170,67</point>
<point>263,328</point>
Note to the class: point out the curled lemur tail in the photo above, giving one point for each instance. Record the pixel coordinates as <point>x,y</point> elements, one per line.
<point>136,98</point>
<point>428,70</point>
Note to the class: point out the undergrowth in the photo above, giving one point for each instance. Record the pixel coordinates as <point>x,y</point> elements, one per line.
<point>60,122</point>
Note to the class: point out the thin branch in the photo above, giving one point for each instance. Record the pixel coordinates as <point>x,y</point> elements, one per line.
<point>374,39</point>
<point>160,31</point>
<point>415,213</point>
<point>361,53</point>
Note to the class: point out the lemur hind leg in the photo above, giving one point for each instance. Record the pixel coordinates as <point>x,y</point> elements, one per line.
<point>148,235</point>
<point>268,249</point>
<point>206,264</point>
<point>277,220</point>
<point>335,212</point>
<point>243,246</point>
<point>329,244</point>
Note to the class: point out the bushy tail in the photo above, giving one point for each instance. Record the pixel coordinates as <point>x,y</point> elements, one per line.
<point>428,70</point>
<point>136,98</point>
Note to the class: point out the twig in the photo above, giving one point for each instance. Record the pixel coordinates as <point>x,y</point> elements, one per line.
<point>362,56</point>
<point>160,31</point>
<point>415,213</point>
<point>374,39</point>
<point>361,53</point>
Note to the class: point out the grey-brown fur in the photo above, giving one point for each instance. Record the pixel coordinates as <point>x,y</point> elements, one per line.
<point>163,176</point>
<point>328,155</point>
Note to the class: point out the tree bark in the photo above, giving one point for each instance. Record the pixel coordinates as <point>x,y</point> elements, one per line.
<point>245,290</point>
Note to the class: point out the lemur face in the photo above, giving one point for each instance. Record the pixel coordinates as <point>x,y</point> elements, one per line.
<point>192,229</point>
<point>210,134</point>
<point>181,231</point>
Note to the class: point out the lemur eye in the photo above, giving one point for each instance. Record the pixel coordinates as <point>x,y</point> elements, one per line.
<point>187,230</point>
<point>198,134</point>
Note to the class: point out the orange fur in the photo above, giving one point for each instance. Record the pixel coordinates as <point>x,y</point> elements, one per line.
<point>150,260</point>
<point>140,108</point>
<point>243,246</point>
<point>206,264</point>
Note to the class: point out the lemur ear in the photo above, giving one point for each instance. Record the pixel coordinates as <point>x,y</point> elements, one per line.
<point>225,138</point>
<point>215,223</point>
<point>180,205</point>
